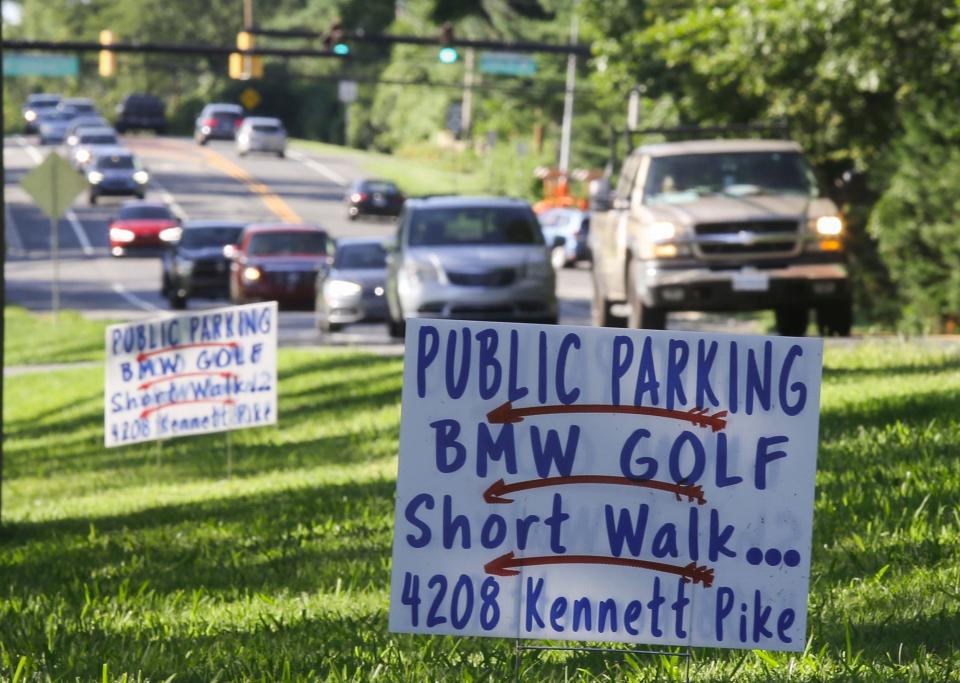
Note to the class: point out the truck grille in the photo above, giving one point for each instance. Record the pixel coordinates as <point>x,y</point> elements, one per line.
<point>746,249</point>
<point>736,227</point>
<point>501,277</point>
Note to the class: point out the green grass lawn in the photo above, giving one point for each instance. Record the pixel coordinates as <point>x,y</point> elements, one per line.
<point>146,562</point>
<point>35,338</point>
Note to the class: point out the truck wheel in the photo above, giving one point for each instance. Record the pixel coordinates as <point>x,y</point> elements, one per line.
<point>396,328</point>
<point>601,310</point>
<point>642,317</point>
<point>835,319</point>
<point>792,321</point>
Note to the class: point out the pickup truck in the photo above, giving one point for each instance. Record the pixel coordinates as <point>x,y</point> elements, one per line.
<point>718,225</point>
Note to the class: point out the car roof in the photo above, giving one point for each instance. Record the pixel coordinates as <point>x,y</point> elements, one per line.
<point>144,202</point>
<point>77,100</point>
<point>283,227</point>
<point>193,224</point>
<point>112,151</point>
<point>717,147</point>
<point>458,202</point>
<point>94,130</point>
<point>225,106</point>
<point>358,241</point>
<point>33,97</point>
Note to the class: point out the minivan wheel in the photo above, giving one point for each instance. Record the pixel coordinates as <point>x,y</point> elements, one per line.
<point>792,321</point>
<point>396,328</point>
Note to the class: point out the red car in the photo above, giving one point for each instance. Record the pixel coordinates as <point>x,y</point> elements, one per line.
<point>278,262</point>
<point>143,227</point>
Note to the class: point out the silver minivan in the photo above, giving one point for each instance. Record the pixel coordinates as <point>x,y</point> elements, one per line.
<point>262,134</point>
<point>471,258</point>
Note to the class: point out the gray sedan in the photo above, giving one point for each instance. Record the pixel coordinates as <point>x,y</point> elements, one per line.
<point>352,289</point>
<point>469,258</point>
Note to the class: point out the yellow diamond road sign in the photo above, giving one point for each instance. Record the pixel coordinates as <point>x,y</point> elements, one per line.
<point>53,185</point>
<point>250,98</point>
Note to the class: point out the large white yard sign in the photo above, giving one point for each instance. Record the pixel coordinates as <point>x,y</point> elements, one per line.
<point>191,373</point>
<point>599,484</point>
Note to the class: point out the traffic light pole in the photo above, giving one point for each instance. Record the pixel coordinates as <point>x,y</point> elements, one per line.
<point>466,108</point>
<point>566,129</point>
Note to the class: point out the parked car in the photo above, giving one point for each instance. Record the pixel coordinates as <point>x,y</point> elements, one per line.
<point>566,231</point>
<point>261,134</point>
<point>374,197</point>
<point>141,112</point>
<point>89,142</point>
<point>471,258</point>
<point>196,266</point>
<point>52,126</point>
<point>217,122</point>
<point>142,226</point>
<point>34,108</point>
<point>84,121</point>
<point>116,171</point>
<point>352,289</point>
<point>278,262</point>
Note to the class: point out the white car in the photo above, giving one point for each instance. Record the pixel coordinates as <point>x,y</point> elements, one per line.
<point>89,142</point>
<point>262,134</point>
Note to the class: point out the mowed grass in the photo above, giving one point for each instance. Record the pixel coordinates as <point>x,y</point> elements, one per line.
<point>41,338</point>
<point>147,563</point>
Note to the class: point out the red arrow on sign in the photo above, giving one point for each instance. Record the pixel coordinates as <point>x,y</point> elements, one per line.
<point>505,565</point>
<point>498,489</point>
<point>225,401</point>
<point>143,356</point>
<point>147,385</point>
<point>698,417</point>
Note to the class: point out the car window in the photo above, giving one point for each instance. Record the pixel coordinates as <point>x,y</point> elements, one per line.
<point>144,212</point>
<point>555,218</point>
<point>474,225</point>
<point>360,256</point>
<point>266,128</point>
<point>210,237</point>
<point>115,161</point>
<point>100,139</point>
<point>382,187</point>
<point>294,242</point>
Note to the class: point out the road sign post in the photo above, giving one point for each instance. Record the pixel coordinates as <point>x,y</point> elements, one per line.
<point>53,185</point>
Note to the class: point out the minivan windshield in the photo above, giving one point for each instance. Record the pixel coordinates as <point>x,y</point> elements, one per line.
<point>688,177</point>
<point>117,161</point>
<point>474,225</point>
<point>360,256</point>
<point>210,237</point>
<point>294,242</point>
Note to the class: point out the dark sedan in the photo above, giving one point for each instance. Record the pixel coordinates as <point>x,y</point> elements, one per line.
<point>197,265</point>
<point>374,198</point>
<point>352,290</point>
<point>278,262</point>
<point>115,171</point>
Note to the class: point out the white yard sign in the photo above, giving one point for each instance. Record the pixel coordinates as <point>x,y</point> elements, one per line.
<point>598,484</point>
<point>191,373</point>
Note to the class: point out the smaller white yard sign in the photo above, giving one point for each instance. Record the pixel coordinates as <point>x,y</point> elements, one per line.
<point>191,373</point>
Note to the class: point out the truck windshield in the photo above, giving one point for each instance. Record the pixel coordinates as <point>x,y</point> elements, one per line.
<point>687,177</point>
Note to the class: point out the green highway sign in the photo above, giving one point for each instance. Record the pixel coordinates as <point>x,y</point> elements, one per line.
<point>507,64</point>
<point>41,65</point>
<point>53,185</point>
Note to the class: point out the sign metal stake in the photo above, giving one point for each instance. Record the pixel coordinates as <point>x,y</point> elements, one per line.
<point>229,456</point>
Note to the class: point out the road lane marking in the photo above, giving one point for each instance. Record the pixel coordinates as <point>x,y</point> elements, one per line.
<point>272,201</point>
<point>169,200</point>
<point>318,167</point>
<point>15,244</point>
<point>140,303</point>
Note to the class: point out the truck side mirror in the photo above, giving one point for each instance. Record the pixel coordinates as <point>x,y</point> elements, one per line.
<point>601,197</point>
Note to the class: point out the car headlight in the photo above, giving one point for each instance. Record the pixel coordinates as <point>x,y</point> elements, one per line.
<point>829,226</point>
<point>141,177</point>
<point>30,115</point>
<point>662,230</point>
<point>83,156</point>
<point>423,271</point>
<point>122,235</point>
<point>171,234</point>
<point>251,274</point>
<point>72,140</point>
<point>95,177</point>
<point>341,289</point>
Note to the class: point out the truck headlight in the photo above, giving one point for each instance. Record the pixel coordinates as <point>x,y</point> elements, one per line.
<point>422,271</point>
<point>83,156</point>
<point>251,274</point>
<point>537,269</point>
<point>829,226</point>
<point>661,231</point>
<point>141,177</point>
<point>341,289</point>
<point>30,115</point>
<point>95,177</point>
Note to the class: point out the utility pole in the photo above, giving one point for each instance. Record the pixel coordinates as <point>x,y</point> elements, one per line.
<point>466,109</point>
<point>247,14</point>
<point>567,126</point>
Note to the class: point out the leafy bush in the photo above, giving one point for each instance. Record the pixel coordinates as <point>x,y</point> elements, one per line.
<point>917,220</point>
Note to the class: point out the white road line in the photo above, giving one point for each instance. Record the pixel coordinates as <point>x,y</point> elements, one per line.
<point>142,304</point>
<point>318,167</point>
<point>169,200</point>
<point>11,233</point>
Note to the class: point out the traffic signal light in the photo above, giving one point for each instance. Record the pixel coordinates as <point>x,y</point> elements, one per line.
<point>244,67</point>
<point>108,58</point>
<point>447,54</point>
<point>333,40</point>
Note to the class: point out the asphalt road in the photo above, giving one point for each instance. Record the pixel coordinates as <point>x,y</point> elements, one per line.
<point>210,182</point>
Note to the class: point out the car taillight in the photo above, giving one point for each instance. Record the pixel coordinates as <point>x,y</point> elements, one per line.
<point>358,197</point>
<point>210,122</point>
<point>238,122</point>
